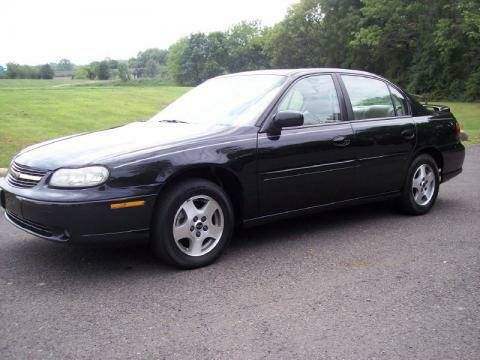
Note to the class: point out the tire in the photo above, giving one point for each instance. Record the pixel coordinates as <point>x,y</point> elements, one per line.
<point>192,224</point>
<point>418,193</point>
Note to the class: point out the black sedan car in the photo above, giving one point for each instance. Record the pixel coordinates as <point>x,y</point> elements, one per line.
<point>239,149</point>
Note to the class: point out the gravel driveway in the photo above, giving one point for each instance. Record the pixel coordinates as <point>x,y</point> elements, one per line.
<point>359,283</point>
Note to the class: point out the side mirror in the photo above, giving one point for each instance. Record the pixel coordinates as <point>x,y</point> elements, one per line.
<point>285,119</point>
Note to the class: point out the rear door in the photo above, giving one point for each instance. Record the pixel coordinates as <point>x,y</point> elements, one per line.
<point>312,164</point>
<point>384,133</point>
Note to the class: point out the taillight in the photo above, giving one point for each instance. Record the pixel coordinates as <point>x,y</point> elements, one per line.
<point>458,129</point>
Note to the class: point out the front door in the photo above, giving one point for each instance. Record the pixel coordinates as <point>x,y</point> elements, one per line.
<point>310,165</point>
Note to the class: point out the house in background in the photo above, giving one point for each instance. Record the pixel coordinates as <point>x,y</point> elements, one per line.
<point>64,74</point>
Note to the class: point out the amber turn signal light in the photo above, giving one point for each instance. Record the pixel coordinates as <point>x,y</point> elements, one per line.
<point>127,204</point>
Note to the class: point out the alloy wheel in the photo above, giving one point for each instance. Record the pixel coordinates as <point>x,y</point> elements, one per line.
<point>198,225</point>
<point>423,185</point>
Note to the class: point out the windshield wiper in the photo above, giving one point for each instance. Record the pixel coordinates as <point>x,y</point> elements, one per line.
<point>174,121</point>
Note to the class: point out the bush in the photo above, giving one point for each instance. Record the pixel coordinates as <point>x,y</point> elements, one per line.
<point>103,71</point>
<point>16,71</point>
<point>46,72</point>
<point>123,72</point>
<point>82,73</point>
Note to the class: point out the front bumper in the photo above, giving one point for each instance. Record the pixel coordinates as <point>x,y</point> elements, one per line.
<point>77,221</point>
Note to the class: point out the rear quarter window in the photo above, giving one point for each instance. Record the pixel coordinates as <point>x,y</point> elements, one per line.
<point>399,101</point>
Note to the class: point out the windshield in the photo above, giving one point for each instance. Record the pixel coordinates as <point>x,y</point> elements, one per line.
<point>234,100</point>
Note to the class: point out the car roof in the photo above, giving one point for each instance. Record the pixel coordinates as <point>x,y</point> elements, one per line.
<point>299,72</point>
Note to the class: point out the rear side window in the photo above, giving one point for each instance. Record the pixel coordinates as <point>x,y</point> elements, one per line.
<point>370,98</point>
<point>316,98</point>
<point>399,101</point>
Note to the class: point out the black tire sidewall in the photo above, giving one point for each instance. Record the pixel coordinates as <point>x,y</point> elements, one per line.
<point>408,201</point>
<point>162,240</point>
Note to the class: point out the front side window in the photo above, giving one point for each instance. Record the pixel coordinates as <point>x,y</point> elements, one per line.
<point>315,97</point>
<point>370,98</point>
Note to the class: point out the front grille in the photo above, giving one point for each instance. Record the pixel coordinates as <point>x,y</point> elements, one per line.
<point>24,176</point>
<point>37,229</point>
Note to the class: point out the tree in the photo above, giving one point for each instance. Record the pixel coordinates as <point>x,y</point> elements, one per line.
<point>427,47</point>
<point>86,72</point>
<point>112,64</point>
<point>12,70</point>
<point>296,41</point>
<point>102,70</point>
<point>151,68</point>
<point>148,63</point>
<point>16,71</point>
<point>159,56</point>
<point>46,72</point>
<point>200,56</point>
<point>123,72</point>
<point>246,44</point>
<point>64,65</point>
<point>91,71</point>
<point>175,63</point>
<point>217,55</point>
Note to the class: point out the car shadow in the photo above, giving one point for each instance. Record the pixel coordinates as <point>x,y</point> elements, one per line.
<point>325,221</point>
<point>320,222</point>
<point>107,260</point>
<point>110,259</point>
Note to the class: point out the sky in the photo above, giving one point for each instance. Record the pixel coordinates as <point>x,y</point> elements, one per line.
<point>37,32</point>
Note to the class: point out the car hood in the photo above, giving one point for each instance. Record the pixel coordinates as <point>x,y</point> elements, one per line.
<point>105,146</point>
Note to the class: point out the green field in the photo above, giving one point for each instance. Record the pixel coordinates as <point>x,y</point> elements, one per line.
<point>468,115</point>
<point>35,110</point>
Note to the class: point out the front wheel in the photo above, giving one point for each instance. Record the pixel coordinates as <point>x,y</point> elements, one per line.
<point>193,224</point>
<point>421,186</point>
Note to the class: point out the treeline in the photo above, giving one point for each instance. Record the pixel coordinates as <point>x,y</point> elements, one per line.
<point>428,47</point>
<point>100,70</point>
<point>16,71</point>
<point>201,56</point>
<point>148,64</point>
<point>47,71</point>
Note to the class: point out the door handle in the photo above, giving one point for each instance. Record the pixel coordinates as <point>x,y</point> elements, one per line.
<point>341,141</point>
<point>408,134</point>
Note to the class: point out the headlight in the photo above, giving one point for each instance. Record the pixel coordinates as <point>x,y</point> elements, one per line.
<point>78,178</point>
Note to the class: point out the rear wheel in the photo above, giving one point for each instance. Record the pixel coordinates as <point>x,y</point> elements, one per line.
<point>421,186</point>
<point>193,224</point>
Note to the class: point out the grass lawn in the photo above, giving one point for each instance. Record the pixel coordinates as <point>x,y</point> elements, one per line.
<point>35,110</point>
<point>468,115</point>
